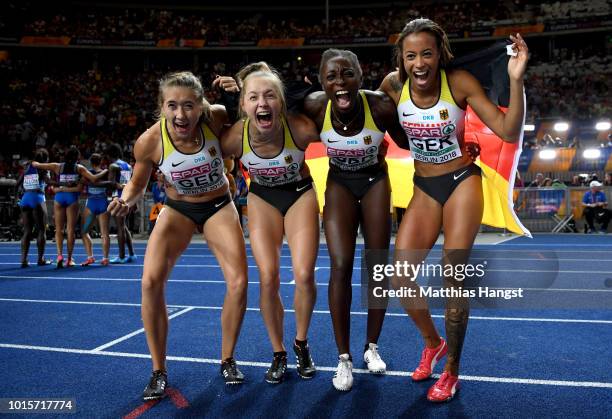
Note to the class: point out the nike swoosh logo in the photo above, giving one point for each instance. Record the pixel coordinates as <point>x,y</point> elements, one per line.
<point>332,141</point>
<point>455,177</point>
<point>220,203</point>
<point>178,164</point>
<point>302,188</point>
<point>407,114</point>
<point>370,179</point>
<point>254,164</point>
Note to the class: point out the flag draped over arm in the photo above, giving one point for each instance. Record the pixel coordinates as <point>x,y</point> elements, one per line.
<point>498,159</point>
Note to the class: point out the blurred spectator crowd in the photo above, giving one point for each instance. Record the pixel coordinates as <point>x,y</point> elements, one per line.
<point>574,85</point>
<point>290,21</point>
<point>54,108</point>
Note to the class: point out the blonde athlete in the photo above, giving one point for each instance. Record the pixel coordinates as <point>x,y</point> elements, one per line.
<point>184,144</point>
<point>270,144</point>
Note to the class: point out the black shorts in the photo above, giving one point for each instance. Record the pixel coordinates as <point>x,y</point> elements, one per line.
<point>358,183</point>
<point>199,212</point>
<point>441,187</point>
<point>282,197</point>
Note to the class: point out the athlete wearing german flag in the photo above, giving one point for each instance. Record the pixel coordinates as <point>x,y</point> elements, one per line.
<point>431,105</point>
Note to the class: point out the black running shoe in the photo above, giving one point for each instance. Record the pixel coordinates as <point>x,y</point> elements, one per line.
<point>156,389</point>
<point>230,372</point>
<point>43,262</point>
<point>276,372</point>
<point>25,264</point>
<point>305,365</point>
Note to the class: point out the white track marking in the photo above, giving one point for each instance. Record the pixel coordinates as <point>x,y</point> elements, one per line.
<point>292,282</point>
<point>137,332</point>
<point>357,313</point>
<point>505,380</point>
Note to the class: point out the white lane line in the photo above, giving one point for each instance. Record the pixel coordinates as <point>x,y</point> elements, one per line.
<point>357,313</point>
<point>504,239</point>
<point>93,303</point>
<point>434,252</point>
<point>137,332</point>
<point>358,268</point>
<point>431,257</point>
<point>505,380</point>
<point>292,282</point>
<point>140,248</point>
<point>86,278</point>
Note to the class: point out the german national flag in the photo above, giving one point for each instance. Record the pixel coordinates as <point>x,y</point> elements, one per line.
<point>498,159</point>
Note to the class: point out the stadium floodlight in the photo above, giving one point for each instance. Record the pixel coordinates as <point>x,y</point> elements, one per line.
<point>547,154</point>
<point>561,126</point>
<point>529,127</point>
<point>591,153</point>
<point>602,126</point>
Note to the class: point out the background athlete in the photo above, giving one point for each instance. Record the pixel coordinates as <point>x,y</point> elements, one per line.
<point>66,203</point>
<point>34,208</point>
<point>120,172</point>
<point>95,209</point>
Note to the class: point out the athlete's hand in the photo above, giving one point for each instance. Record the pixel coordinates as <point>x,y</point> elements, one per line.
<point>118,208</point>
<point>518,63</point>
<point>473,150</point>
<point>226,83</point>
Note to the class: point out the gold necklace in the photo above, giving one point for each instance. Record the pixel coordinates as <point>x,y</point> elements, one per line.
<point>345,126</point>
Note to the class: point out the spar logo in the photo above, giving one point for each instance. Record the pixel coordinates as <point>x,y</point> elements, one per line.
<point>275,175</point>
<point>268,171</point>
<point>336,152</point>
<point>191,173</point>
<point>428,132</point>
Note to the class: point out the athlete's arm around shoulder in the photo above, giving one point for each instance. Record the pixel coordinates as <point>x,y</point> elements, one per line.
<point>392,86</point>
<point>90,177</point>
<point>219,120</point>
<point>224,130</point>
<point>315,105</point>
<point>231,139</point>
<point>303,129</point>
<point>384,112</point>
<point>147,152</point>
<point>53,167</point>
<point>467,90</point>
